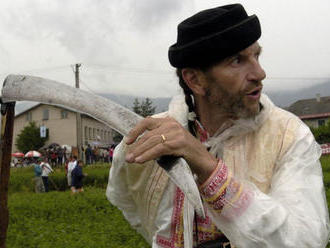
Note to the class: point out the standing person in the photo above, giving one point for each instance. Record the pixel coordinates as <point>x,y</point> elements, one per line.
<point>77,178</point>
<point>257,165</point>
<point>93,155</point>
<point>71,165</point>
<point>65,156</point>
<point>53,155</point>
<point>88,154</point>
<point>112,148</point>
<point>46,170</point>
<point>60,156</point>
<point>39,186</point>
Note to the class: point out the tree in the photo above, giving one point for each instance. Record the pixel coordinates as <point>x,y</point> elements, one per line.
<point>137,106</point>
<point>322,133</point>
<point>146,108</point>
<point>117,137</point>
<point>29,138</point>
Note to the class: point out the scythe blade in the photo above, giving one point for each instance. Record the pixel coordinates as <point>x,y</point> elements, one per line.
<point>29,88</point>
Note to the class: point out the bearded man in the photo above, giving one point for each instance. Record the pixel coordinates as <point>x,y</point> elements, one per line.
<point>257,165</point>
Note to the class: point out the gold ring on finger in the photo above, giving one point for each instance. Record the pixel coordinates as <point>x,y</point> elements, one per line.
<point>163,138</point>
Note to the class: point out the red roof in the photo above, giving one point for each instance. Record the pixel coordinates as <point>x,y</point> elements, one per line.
<point>313,116</point>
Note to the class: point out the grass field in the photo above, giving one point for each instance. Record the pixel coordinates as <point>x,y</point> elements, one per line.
<point>87,220</point>
<point>62,220</point>
<point>59,219</point>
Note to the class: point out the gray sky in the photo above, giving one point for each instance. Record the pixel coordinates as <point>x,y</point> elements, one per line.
<point>123,44</point>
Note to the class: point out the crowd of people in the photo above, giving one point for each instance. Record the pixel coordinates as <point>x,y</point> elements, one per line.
<point>58,156</point>
<point>98,154</point>
<point>73,171</point>
<point>55,156</point>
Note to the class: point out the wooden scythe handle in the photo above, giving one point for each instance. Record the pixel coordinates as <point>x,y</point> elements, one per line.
<point>6,140</point>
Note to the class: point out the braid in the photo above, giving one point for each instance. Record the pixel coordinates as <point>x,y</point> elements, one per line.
<point>189,100</point>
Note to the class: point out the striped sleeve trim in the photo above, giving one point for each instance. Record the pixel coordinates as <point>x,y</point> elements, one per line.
<point>221,190</point>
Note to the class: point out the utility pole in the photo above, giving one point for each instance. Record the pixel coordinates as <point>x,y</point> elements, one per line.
<point>78,118</point>
<point>6,137</point>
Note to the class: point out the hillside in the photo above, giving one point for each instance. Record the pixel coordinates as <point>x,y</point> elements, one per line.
<point>282,98</point>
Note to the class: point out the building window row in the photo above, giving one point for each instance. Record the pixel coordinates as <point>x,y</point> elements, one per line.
<point>97,134</point>
<point>45,114</point>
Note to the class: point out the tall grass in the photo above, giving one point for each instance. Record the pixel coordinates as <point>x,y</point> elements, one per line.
<point>60,219</point>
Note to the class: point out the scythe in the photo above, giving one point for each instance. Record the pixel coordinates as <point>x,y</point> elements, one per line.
<point>29,88</point>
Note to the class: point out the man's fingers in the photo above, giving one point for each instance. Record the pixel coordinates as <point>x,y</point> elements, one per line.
<point>148,123</point>
<point>150,154</point>
<point>146,143</point>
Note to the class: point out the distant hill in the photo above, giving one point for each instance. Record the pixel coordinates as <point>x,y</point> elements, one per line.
<point>161,103</point>
<point>282,98</point>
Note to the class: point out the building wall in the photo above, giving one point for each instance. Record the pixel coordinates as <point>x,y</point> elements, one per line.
<point>62,130</point>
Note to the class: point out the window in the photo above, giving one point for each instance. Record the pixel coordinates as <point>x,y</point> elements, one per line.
<point>86,133</point>
<point>45,114</point>
<point>90,133</point>
<point>321,122</point>
<point>94,133</point>
<point>64,114</point>
<point>102,138</point>
<point>29,116</point>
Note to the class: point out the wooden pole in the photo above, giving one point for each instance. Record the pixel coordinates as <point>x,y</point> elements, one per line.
<point>78,118</point>
<point>6,140</point>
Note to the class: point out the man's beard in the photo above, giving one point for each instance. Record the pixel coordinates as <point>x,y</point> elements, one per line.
<point>233,105</point>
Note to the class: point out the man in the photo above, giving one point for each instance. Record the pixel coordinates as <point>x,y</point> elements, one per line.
<point>46,170</point>
<point>77,178</point>
<point>257,165</point>
<point>88,154</point>
<point>39,186</point>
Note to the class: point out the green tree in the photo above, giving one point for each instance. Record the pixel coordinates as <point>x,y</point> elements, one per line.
<point>137,106</point>
<point>117,137</point>
<point>322,133</point>
<point>146,108</point>
<point>29,138</point>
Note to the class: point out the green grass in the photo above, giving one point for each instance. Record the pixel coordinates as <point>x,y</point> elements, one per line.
<point>59,219</point>
<point>87,220</point>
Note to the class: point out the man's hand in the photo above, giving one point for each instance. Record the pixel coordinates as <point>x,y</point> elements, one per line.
<point>165,136</point>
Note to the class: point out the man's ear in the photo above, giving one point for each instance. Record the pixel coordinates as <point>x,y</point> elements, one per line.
<point>195,80</point>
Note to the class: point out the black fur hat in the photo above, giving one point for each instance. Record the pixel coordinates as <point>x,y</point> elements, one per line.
<point>212,35</point>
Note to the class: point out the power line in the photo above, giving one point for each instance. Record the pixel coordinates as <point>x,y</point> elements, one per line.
<point>129,69</point>
<point>85,84</point>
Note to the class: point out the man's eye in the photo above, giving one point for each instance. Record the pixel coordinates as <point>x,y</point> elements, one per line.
<point>236,61</point>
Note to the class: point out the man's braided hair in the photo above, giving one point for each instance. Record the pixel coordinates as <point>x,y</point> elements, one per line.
<point>189,100</point>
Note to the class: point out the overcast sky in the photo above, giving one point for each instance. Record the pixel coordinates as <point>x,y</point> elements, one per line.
<point>122,44</point>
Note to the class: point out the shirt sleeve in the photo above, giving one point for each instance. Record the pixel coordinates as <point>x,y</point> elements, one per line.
<point>117,190</point>
<point>293,214</point>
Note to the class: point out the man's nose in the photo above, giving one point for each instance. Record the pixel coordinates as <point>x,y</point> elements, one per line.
<point>256,73</point>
